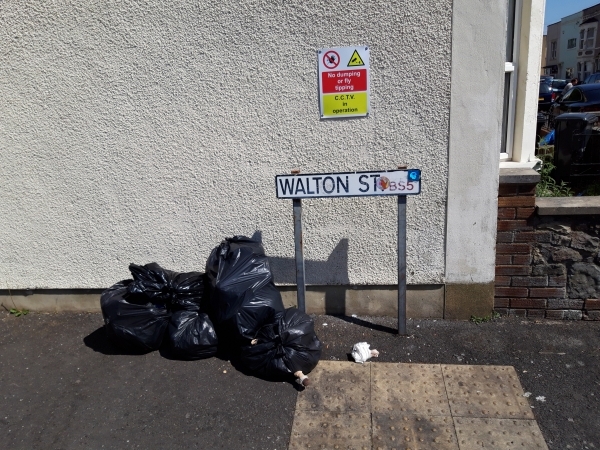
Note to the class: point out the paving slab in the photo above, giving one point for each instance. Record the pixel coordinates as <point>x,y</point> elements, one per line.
<point>409,388</point>
<point>393,431</point>
<point>341,387</point>
<point>331,430</point>
<point>485,391</point>
<point>475,434</point>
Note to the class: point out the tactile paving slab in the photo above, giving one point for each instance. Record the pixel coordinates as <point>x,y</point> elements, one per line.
<point>331,430</point>
<point>337,386</point>
<point>498,434</point>
<point>408,389</point>
<point>413,432</point>
<point>413,406</point>
<point>485,391</point>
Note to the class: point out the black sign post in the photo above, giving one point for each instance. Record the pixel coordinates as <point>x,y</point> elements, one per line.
<point>300,283</point>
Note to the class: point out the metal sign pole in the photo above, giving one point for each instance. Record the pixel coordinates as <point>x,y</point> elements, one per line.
<point>402,265</point>
<point>300,286</point>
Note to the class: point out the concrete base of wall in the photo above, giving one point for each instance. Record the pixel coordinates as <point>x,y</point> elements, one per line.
<point>52,300</point>
<point>466,300</point>
<point>421,301</point>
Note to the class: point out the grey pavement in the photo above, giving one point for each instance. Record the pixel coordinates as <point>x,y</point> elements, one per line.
<point>64,386</point>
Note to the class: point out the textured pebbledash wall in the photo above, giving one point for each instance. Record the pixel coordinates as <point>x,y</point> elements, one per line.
<point>148,131</point>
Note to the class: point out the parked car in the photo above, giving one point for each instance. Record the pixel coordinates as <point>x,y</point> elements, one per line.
<point>546,79</point>
<point>593,78</point>
<point>558,86</point>
<point>546,98</point>
<point>582,98</point>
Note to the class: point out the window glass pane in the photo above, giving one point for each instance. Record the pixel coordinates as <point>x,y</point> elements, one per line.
<point>559,84</point>
<point>507,78</point>
<point>545,88</point>
<point>510,31</point>
<point>574,95</point>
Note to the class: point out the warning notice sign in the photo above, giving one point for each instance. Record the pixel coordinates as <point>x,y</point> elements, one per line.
<point>344,82</point>
<point>355,60</point>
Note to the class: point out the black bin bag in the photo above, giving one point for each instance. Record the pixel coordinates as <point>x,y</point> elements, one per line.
<point>180,291</point>
<point>283,347</point>
<point>191,335</point>
<point>131,321</point>
<point>241,294</point>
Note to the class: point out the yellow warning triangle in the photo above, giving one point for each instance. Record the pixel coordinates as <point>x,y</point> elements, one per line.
<point>355,60</point>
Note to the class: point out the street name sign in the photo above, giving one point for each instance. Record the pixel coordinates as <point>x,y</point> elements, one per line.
<point>349,184</point>
<point>344,82</point>
<point>400,183</point>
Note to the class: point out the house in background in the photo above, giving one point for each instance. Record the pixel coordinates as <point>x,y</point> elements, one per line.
<point>568,45</point>
<point>588,60</point>
<point>543,59</point>
<point>553,50</point>
<point>572,45</point>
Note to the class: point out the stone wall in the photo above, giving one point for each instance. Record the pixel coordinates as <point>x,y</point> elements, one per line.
<point>566,256</point>
<point>547,266</point>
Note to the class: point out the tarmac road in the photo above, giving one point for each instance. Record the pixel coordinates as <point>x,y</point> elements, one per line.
<point>64,386</point>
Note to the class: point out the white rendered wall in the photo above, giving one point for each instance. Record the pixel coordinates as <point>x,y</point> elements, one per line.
<point>138,132</point>
<point>478,56</point>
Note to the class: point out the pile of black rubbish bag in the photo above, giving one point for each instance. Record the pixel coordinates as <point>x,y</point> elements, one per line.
<point>234,308</point>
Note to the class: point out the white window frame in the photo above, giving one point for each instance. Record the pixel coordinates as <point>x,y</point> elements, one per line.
<point>590,41</point>
<point>521,128</point>
<point>511,67</point>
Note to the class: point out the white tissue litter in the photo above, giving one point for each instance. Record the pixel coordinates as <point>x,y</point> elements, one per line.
<point>361,352</point>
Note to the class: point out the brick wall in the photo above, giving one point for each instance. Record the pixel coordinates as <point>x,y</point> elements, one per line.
<point>545,268</point>
<point>516,290</point>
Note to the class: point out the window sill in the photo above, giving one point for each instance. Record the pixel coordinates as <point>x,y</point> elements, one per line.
<point>518,176</point>
<point>520,165</point>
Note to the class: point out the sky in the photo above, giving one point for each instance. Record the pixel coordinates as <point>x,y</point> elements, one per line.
<point>557,9</point>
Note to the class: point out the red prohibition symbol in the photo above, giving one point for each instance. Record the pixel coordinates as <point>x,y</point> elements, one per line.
<point>331,59</point>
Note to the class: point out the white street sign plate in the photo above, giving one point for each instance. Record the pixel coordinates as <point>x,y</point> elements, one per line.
<point>349,184</point>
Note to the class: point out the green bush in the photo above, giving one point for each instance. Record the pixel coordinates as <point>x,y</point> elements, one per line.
<point>548,187</point>
<point>592,188</point>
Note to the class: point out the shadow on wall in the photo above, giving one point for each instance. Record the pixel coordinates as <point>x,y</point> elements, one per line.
<point>329,276</point>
